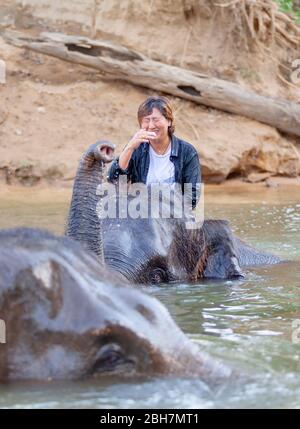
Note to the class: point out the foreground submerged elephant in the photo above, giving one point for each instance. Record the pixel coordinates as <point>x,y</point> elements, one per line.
<point>65,320</point>
<point>152,250</point>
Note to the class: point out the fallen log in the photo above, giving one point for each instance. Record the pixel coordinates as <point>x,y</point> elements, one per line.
<point>118,62</point>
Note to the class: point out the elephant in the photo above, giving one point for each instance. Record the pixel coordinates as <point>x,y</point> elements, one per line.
<point>69,317</point>
<point>152,250</point>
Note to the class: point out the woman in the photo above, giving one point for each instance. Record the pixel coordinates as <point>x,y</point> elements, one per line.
<point>155,154</point>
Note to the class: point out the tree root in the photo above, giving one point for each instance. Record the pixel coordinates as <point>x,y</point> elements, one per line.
<point>261,25</point>
<point>262,19</point>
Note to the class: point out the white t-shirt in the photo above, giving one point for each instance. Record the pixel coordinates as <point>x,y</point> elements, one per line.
<point>161,169</point>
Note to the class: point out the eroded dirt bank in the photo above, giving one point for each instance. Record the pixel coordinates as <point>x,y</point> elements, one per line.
<point>51,111</point>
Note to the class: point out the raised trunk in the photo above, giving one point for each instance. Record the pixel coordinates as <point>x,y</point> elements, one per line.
<point>83,224</point>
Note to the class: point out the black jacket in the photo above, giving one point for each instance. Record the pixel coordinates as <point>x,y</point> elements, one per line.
<point>183,155</point>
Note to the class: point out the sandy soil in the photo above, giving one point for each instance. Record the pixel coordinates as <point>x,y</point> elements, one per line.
<point>51,111</point>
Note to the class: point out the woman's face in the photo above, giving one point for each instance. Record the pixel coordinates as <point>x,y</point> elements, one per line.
<point>156,122</point>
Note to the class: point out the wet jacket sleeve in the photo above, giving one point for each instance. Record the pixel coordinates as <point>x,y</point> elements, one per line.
<point>192,175</point>
<point>115,171</point>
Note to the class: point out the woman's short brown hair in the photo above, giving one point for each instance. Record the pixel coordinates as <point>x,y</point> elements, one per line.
<point>163,105</point>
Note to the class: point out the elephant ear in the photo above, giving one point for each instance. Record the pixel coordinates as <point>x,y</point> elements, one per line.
<point>188,252</point>
<point>208,251</point>
<point>222,255</point>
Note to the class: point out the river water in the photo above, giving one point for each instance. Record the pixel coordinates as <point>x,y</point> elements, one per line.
<point>251,324</point>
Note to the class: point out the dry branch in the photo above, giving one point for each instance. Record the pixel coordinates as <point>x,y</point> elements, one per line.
<point>118,62</point>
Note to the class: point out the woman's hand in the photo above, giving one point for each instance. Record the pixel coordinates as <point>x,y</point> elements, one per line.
<point>140,137</point>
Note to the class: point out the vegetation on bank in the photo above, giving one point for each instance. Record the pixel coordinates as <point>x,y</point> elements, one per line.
<point>288,6</point>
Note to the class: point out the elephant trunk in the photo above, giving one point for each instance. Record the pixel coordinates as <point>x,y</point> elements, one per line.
<point>83,224</point>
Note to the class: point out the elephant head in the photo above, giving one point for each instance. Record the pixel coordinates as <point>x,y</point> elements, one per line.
<point>67,318</point>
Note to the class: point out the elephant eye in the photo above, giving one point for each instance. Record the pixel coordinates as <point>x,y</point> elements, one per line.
<point>158,275</point>
<point>109,356</point>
